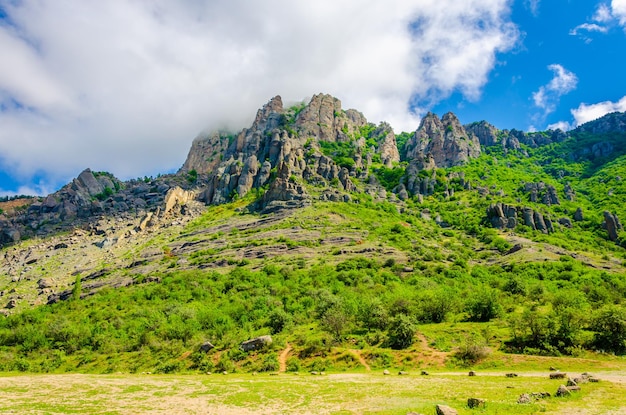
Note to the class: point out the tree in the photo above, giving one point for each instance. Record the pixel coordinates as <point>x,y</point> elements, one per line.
<point>401,332</point>
<point>609,323</point>
<point>483,305</point>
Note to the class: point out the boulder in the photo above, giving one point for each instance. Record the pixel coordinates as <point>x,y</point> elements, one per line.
<point>256,343</point>
<point>558,375</point>
<point>562,391</point>
<point>44,283</point>
<point>446,410</point>
<point>612,225</point>
<point>578,215</point>
<point>176,197</point>
<point>565,222</point>
<point>524,398</point>
<point>473,403</point>
<point>206,347</point>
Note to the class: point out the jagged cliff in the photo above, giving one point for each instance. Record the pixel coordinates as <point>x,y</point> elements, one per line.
<point>287,156</point>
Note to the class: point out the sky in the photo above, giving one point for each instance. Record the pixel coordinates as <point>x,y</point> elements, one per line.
<point>125,85</point>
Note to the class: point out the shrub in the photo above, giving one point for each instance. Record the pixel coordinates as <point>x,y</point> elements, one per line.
<point>472,350</point>
<point>401,332</point>
<point>293,364</point>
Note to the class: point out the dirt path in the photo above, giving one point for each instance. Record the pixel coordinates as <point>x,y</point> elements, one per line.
<point>282,358</point>
<point>433,355</point>
<point>357,354</point>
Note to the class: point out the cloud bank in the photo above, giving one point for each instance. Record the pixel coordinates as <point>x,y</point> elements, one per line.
<point>125,86</point>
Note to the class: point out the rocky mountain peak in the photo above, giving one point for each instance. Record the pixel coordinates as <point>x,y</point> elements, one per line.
<point>444,141</point>
<point>324,119</point>
<point>270,115</point>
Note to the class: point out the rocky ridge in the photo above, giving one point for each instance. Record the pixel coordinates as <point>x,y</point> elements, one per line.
<point>288,156</point>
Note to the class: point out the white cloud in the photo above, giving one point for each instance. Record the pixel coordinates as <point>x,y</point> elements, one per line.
<point>588,27</point>
<point>548,96</point>
<point>561,125</point>
<point>618,8</point>
<point>125,86</point>
<point>603,14</point>
<point>603,19</point>
<point>589,112</point>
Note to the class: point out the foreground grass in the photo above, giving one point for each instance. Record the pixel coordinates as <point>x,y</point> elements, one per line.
<point>346,393</point>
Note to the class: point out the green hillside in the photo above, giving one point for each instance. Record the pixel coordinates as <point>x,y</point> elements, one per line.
<point>378,278</point>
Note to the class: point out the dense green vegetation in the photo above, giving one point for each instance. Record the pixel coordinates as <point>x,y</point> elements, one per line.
<point>380,276</point>
<point>551,307</point>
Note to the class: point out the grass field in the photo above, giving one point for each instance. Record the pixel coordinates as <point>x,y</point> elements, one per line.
<point>346,393</point>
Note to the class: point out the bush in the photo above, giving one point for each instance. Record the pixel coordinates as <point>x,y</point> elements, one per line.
<point>471,351</point>
<point>401,332</point>
<point>293,364</point>
<point>270,363</point>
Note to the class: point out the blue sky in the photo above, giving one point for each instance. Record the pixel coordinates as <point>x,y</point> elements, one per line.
<point>125,86</point>
<point>550,35</point>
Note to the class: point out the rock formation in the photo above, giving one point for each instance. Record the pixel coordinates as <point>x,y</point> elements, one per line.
<point>445,140</point>
<point>501,216</point>
<point>612,225</point>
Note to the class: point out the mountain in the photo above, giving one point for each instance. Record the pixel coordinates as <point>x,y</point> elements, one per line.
<point>316,226</point>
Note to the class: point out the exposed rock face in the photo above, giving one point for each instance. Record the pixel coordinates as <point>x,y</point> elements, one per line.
<point>612,225</point>
<point>502,216</point>
<point>176,197</point>
<point>205,152</point>
<point>268,154</point>
<point>488,135</point>
<point>445,140</point>
<point>542,193</point>
<point>387,147</point>
<point>324,119</point>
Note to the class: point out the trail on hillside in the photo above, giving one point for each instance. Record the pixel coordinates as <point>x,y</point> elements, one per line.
<point>432,354</point>
<point>357,354</point>
<point>282,358</point>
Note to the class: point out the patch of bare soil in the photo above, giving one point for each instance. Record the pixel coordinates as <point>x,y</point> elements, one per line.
<point>357,353</point>
<point>430,354</point>
<point>282,358</point>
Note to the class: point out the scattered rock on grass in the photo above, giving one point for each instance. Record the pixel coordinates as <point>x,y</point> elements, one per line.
<point>206,346</point>
<point>475,403</point>
<point>563,391</point>
<point>524,398</point>
<point>446,410</point>
<point>558,375</point>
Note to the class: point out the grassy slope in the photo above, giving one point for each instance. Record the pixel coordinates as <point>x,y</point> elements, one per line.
<point>335,277</point>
